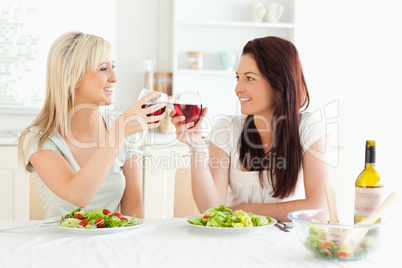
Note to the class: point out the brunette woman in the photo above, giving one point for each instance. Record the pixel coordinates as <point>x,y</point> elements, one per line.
<point>271,159</point>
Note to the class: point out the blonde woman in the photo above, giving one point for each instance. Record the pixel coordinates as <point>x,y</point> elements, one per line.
<point>79,154</point>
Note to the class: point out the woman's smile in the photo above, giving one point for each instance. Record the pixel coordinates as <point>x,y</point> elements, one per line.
<point>108,90</point>
<point>244,100</point>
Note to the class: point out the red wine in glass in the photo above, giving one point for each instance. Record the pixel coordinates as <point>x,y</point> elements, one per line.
<point>192,112</point>
<point>157,112</point>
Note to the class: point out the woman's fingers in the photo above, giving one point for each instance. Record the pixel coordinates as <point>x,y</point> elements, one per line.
<point>202,116</point>
<point>153,108</point>
<point>172,113</point>
<point>177,120</point>
<point>203,113</point>
<point>148,97</point>
<point>185,128</point>
<point>152,119</point>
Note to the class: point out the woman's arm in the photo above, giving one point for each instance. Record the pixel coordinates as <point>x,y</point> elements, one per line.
<point>316,175</point>
<point>79,188</point>
<point>131,203</point>
<point>209,177</point>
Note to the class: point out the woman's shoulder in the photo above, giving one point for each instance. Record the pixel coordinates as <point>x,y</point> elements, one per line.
<point>109,115</point>
<point>232,121</point>
<point>311,128</point>
<point>225,131</point>
<point>308,119</point>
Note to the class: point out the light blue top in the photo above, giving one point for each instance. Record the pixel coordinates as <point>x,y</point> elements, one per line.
<point>112,189</point>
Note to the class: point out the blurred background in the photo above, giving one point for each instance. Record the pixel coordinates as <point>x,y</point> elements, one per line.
<point>350,51</point>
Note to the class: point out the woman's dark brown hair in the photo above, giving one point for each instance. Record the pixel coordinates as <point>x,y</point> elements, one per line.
<point>278,61</point>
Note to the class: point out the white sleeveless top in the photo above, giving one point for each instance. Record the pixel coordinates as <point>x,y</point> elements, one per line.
<point>244,186</point>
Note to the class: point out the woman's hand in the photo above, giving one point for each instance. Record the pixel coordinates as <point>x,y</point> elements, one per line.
<point>183,131</point>
<point>137,119</point>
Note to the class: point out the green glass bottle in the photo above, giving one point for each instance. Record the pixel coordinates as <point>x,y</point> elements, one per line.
<point>369,188</point>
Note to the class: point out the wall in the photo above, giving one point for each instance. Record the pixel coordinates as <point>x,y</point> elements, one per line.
<point>142,31</point>
<point>138,29</point>
<point>52,19</point>
<point>351,54</point>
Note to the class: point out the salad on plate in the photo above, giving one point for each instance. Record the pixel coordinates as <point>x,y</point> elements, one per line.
<point>227,218</point>
<point>96,218</point>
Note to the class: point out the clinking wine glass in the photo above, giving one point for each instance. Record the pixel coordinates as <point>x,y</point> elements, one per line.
<point>188,104</point>
<point>162,97</point>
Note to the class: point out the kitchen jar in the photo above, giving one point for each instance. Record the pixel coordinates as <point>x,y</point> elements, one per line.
<point>149,66</point>
<point>163,82</point>
<point>195,60</point>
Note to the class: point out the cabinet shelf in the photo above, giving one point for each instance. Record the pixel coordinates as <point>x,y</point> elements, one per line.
<point>237,24</point>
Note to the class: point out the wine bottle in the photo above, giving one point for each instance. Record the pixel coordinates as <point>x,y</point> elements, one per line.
<point>368,190</point>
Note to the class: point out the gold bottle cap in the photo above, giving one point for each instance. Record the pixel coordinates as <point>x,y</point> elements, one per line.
<point>370,143</point>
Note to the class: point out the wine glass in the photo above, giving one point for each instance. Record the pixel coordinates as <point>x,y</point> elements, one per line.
<point>162,97</point>
<point>188,104</point>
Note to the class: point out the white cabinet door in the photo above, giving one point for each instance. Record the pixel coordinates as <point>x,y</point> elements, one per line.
<point>159,179</point>
<point>14,186</point>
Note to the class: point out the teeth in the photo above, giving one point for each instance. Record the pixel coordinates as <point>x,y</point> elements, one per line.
<point>245,99</point>
<point>108,89</point>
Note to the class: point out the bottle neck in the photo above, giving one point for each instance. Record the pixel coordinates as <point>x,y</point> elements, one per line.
<point>370,157</point>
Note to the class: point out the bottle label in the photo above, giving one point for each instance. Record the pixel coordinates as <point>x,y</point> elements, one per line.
<point>367,199</point>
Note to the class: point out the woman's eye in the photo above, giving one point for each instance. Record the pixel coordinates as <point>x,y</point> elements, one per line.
<point>250,78</point>
<point>114,66</point>
<point>103,69</point>
<point>237,78</point>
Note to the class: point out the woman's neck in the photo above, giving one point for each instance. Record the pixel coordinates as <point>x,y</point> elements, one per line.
<point>263,123</point>
<point>85,124</point>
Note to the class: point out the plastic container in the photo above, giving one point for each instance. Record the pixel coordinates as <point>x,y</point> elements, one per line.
<point>163,82</point>
<point>195,60</point>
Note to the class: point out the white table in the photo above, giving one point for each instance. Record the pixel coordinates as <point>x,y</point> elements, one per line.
<point>167,243</point>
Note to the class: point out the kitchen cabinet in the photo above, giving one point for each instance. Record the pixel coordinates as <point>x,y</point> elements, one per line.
<point>159,177</point>
<point>212,27</point>
<point>14,186</point>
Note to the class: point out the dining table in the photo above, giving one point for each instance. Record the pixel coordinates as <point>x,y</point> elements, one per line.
<point>171,242</point>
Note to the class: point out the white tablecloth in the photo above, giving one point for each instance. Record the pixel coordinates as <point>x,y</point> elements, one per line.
<point>168,243</point>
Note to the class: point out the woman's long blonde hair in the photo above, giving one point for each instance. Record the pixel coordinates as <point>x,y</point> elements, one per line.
<point>69,56</point>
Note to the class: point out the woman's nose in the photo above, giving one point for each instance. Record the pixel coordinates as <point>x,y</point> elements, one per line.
<point>238,88</point>
<point>113,77</point>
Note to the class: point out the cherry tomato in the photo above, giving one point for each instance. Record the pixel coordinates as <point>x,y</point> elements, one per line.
<point>325,245</point>
<point>117,214</point>
<point>99,223</point>
<point>207,217</point>
<point>342,254</point>
<point>84,222</point>
<point>106,211</point>
<point>124,218</point>
<point>78,216</point>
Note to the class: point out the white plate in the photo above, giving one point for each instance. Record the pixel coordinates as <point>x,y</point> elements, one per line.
<point>229,229</point>
<point>104,230</point>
